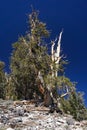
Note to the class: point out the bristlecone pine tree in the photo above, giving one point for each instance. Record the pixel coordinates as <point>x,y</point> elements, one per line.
<point>35,72</point>
<point>29,59</point>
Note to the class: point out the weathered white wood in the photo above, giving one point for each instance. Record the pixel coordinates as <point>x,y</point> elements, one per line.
<point>52,55</point>
<point>55,54</point>
<point>59,48</point>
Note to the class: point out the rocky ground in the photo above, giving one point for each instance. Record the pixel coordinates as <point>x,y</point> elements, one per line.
<point>23,116</point>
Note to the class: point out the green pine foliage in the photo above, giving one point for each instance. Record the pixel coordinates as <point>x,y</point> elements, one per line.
<point>78,109</point>
<point>2,80</point>
<point>29,57</point>
<point>75,106</point>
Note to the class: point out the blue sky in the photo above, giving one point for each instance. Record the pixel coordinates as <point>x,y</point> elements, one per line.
<point>71,15</point>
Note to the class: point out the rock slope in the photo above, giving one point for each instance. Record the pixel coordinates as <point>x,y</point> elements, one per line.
<point>28,117</point>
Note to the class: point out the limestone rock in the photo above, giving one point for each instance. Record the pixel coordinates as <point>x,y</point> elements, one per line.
<point>29,117</point>
<point>9,128</point>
